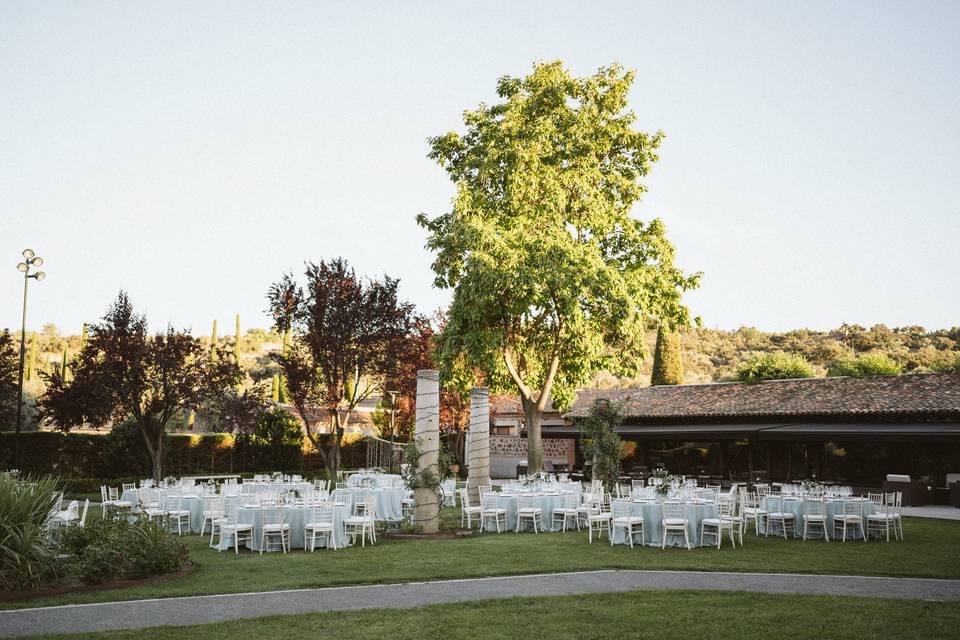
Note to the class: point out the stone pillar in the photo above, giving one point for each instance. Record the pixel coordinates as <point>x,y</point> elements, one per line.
<point>426,509</point>
<point>479,440</point>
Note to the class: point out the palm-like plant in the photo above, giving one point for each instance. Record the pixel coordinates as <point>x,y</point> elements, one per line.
<point>26,553</point>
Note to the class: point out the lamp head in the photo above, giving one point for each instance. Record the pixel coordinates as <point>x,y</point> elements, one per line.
<point>36,261</point>
<point>39,275</point>
<point>23,267</point>
<point>28,253</point>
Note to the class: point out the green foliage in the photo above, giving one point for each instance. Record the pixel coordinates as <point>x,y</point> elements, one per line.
<point>32,361</point>
<point>86,461</point>
<point>26,554</point>
<point>600,442</point>
<point>667,362</point>
<point>346,331</point>
<point>106,550</point>
<point>214,343</point>
<point>416,477</point>
<point>552,277</point>
<point>9,372</point>
<point>125,372</point>
<point>866,365</point>
<point>948,362</point>
<point>775,365</point>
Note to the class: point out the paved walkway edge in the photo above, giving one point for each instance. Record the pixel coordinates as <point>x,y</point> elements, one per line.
<point>138,614</point>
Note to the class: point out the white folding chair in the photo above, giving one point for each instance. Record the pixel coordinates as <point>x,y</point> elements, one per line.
<point>621,518</point>
<point>274,525</point>
<point>321,521</point>
<point>815,515</point>
<point>675,522</point>
<point>568,510</point>
<point>489,509</point>
<point>527,509</point>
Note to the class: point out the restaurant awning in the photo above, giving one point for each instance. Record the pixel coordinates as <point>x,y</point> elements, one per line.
<point>862,431</point>
<point>667,432</point>
<point>793,431</point>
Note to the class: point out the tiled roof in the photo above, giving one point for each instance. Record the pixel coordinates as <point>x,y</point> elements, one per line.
<point>923,395</point>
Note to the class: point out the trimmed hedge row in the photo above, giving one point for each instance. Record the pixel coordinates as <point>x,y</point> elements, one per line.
<point>83,455</point>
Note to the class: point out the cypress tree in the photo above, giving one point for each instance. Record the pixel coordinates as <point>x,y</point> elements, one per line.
<point>32,364</point>
<point>213,341</point>
<point>236,341</point>
<point>282,387</point>
<point>63,362</point>
<point>236,350</point>
<point>83,336</point>
<point>667,364</point>
<point>275,388</point>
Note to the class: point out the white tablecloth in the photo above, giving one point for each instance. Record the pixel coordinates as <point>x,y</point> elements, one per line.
<point>296,516</point>
<point>652,514</point>
<point>389,501</point>
<point>191,502</point>
<point>546,502</point>
<point>385,480</point>
<point>795,506</point>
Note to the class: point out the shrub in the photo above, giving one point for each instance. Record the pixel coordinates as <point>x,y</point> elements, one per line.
<point>866,365</point>
<point>26,553</point>
<point>107,550</point>
<point>774,365</point>
<point>947,362</point>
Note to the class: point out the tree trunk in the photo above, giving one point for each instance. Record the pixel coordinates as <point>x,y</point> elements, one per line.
<point>533,416</point>
<point>154,447</point>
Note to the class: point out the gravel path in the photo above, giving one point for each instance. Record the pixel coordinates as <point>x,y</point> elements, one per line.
<point>136,614</point>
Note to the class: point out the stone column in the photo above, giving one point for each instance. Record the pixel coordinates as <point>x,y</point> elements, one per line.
<point>426,509</point>
<point>479,439</point>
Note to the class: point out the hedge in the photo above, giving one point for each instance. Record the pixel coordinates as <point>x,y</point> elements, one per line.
<point>84,455</point>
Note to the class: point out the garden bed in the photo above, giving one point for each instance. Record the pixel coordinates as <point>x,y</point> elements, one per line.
<point>21,596</point>
<point>440,535</point>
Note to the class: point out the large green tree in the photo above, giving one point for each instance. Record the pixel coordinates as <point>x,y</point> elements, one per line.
<point>552,278</point>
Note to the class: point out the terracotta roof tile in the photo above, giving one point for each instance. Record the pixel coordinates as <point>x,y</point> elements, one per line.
<point>928,396</point>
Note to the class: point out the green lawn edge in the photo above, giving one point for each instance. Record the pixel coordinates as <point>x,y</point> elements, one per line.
<point>930,550</point>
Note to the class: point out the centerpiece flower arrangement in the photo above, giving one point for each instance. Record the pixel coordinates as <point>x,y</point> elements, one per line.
<point>532,479</point>
<point>811,487</point>
<point>368,483</point>
<point>667,480</point>
<point>169,481</point>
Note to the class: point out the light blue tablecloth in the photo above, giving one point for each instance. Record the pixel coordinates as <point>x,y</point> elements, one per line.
<point>358,480</point>
<point>795,506</point>
<point>192,503</point>
<point>389,501</point>
<point>296,517</point>
<point>547,503</point>
<point>652,514</point>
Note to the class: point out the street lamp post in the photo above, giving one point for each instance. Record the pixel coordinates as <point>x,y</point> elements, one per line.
<point>393,410</point>
<point>30,260</point>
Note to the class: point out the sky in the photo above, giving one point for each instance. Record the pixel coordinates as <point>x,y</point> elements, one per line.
<point>192,152</point>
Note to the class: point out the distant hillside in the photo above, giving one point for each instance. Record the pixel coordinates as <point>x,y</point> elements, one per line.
<point>711,355</point>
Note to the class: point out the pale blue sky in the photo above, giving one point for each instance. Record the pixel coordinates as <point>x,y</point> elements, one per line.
<point>191,152</point>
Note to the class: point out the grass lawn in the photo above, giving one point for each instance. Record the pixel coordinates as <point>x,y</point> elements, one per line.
<point>931,549</point>
<point>638,614</point>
